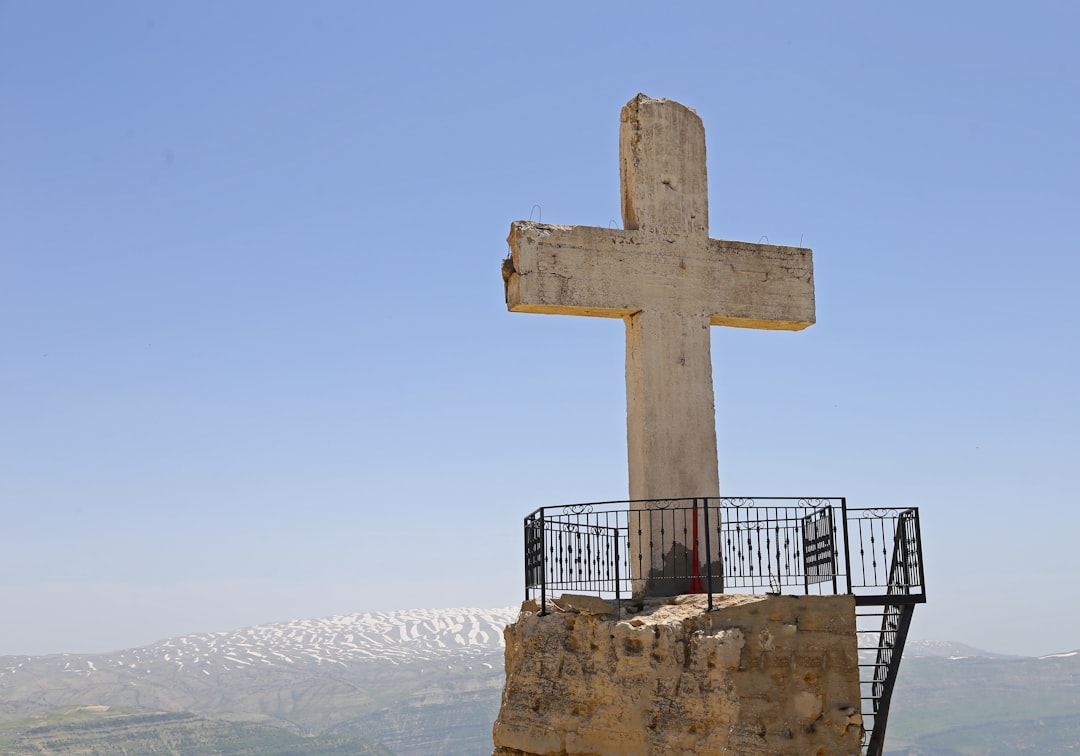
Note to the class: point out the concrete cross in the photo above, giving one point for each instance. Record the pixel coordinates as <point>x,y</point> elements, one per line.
<point>669,282</point>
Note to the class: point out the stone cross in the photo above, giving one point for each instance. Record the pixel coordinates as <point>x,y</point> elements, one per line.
<point>669,282</point>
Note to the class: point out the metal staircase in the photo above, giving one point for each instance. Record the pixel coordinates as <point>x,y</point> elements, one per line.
<point>882,623</point>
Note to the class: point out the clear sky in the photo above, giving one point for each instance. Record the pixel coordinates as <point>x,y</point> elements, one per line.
<point>255,362</point>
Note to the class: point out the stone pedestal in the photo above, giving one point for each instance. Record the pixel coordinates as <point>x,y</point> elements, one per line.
<point>761,675</point>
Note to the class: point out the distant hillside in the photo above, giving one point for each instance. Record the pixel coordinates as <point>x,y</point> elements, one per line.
<point>429,681</point>
<point>978,703</point>
<point>106,730</point>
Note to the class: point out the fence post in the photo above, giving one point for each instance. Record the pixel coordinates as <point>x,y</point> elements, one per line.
<point>847,544</point>
<point>617,572</point>
<point>543,564</point>
<point>832,527</point>
<point>708,556</point>
<point>918,552</point>
<point>805,540</point>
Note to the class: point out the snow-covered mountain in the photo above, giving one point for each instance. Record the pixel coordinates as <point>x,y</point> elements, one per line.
<point>949,650</point>
<point>404,637</point>
<point>938,649</point>
<point>399,637</point>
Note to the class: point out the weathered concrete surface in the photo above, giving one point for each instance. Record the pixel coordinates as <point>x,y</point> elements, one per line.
<point>669,282</point>
<point>763,675</point>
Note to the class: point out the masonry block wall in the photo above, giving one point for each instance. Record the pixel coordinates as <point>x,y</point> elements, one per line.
<point>762,675</point>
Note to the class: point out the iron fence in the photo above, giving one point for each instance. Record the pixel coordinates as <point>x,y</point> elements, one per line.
<point>810,545</point>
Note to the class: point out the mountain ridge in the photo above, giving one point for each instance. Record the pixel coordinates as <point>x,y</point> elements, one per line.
<point>404,636</point>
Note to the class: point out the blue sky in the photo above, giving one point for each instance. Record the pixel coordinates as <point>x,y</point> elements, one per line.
<point>255,362</point>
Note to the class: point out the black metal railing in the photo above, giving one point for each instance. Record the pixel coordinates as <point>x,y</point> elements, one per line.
<point>810,545</point>
<point>889,569</point>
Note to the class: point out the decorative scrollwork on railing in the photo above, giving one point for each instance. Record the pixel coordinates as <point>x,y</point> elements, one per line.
<point>663,504</point>
<point>883,512</point>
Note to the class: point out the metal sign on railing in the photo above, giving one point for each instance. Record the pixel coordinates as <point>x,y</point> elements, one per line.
<point>819,547</point>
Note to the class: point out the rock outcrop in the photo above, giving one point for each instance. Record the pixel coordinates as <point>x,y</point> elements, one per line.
<point>761,675</point>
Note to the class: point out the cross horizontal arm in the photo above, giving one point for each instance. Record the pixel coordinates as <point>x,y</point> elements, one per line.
<point>761,285</point>
<point>569,270</point>
<point>604,272</point>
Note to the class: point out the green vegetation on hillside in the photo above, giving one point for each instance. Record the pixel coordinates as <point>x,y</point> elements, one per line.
<point>985,706</point>
<point>105,731</point>
<point>1045,735</point>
